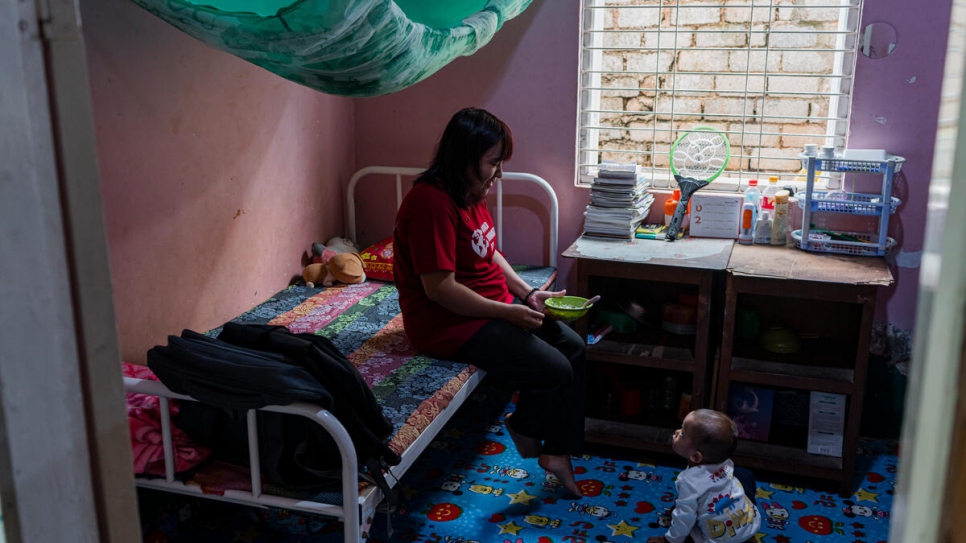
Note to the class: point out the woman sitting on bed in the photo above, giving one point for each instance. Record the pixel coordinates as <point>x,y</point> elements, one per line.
<point>462,301</point>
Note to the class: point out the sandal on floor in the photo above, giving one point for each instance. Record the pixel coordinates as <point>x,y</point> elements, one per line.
<point>528,447</point>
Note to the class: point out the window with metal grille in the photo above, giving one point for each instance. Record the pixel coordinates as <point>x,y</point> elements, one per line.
<point>772,75</point>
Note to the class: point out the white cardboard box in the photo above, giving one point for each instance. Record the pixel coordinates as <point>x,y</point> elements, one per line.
<point>715,215</point>
<point>826,423</point>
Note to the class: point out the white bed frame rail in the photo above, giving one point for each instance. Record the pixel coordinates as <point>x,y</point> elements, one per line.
<point>365,501</point>
<point>400,172</point>
<point>356,506</point>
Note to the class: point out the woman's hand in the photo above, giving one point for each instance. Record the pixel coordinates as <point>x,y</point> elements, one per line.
<point>523,316</point>
<point>538,300</point>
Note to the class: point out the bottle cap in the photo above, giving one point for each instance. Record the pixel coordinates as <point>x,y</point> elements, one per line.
<point>670,205</point>
<point>773,179</point>
<point>676,194</point>
<point>781,197</point>
<point>752,182</point>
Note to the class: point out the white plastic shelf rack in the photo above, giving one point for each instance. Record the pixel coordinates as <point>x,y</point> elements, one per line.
<point>881,205</point>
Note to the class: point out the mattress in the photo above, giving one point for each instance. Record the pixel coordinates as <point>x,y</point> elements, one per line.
<point>365,323</point>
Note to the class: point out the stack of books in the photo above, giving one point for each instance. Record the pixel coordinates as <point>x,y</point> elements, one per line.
<point>619,201</point>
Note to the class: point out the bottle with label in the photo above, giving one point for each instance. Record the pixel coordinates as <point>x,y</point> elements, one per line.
<point>746,232</point>
<point>753,196</point>
<point>768,195</point>
<point>780,220</point>
<point>763,229</point>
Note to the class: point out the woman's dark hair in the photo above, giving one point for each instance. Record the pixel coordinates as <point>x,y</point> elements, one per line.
<point>468,136</point>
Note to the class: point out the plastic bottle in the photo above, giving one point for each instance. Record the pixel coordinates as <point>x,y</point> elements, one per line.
<point>670,205</point>
<point>763,229</point>
<point>779,225</point>
<point>753,195</point>
<point>768,195</point>
<point>747,225</point>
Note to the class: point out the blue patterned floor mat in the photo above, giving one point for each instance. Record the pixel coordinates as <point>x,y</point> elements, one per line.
<point>472,486</point>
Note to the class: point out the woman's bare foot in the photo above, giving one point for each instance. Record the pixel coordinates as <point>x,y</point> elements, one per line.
<point>563,469</point>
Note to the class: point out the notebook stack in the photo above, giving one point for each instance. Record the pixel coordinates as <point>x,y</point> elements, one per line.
<point>619,201</point>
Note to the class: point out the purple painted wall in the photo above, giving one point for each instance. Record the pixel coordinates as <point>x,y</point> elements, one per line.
<point>528,76</point>
<point>217,175</point>
<point>896,107</point>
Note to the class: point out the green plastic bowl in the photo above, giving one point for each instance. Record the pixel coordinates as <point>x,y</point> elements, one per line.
<point>567,307</point>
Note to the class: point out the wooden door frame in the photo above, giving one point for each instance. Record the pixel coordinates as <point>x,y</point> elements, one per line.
<point>64,439</point>
<point>928,502</point>
<point>953,528</point>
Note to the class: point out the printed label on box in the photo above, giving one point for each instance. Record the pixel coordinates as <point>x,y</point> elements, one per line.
<point>826,423</point>
<point>715,215</point>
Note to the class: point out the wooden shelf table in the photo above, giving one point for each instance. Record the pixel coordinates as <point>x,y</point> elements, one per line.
<point>621,270</point>
<point>829,302</point>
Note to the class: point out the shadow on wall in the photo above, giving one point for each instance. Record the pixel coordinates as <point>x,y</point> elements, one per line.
<point>211,168</point>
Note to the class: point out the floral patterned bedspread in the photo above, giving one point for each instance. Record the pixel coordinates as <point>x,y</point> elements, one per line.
<point>365,323</point>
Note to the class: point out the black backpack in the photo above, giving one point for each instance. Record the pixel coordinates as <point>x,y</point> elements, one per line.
<point>251,366</point>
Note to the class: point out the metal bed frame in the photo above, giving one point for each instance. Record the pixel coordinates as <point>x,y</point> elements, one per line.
<point>357,506</point>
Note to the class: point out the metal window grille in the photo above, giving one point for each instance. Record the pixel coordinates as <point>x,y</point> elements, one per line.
<point>772,75</point>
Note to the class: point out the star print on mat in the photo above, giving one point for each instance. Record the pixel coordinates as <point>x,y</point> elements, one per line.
<point>622,528</point>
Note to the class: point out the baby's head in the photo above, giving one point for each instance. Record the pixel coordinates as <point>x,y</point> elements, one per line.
<point>705,437</point>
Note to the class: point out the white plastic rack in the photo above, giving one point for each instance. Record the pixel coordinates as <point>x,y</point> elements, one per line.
<point>880,204</point>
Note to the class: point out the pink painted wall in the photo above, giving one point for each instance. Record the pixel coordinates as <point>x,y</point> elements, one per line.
<point>217,175</point>
<point>528,76</point>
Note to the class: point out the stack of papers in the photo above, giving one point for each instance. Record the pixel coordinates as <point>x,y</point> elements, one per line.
<point>619,201</point>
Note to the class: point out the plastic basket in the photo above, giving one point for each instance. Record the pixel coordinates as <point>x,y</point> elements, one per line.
<point>866,246</point>
<point>854,203</point>
<point>839,164</point>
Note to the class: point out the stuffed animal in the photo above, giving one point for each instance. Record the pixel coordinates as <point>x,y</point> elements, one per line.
<point>337,260</point>
<point>321,253</point>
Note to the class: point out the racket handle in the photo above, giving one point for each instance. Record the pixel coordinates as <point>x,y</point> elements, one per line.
<point>675,226</point>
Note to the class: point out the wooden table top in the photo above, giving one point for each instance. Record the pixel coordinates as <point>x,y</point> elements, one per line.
<point>705,253</point>
<point>765,261</point>
<point>791,263</point>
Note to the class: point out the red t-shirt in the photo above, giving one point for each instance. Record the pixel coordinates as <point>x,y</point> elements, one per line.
<point>433,234</point>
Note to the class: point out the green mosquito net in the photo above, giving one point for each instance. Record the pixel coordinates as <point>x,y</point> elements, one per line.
<point>346,47</point>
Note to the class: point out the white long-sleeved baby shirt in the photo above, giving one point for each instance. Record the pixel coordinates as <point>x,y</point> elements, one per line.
<point>712,506</point>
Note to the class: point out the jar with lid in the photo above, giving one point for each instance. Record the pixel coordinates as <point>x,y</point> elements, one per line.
<point>768,195</point>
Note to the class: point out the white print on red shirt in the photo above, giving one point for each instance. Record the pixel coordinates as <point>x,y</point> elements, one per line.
<point>482,239</point>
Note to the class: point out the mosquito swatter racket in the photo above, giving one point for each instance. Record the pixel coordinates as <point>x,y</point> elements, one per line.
<point>697,157</point>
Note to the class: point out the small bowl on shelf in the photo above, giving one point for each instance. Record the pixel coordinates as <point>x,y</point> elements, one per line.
<point>567,307</point>
<point>779,339</point>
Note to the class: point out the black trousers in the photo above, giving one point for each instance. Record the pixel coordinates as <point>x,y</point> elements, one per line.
<point>748,483</point>
<point>548,366</point>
